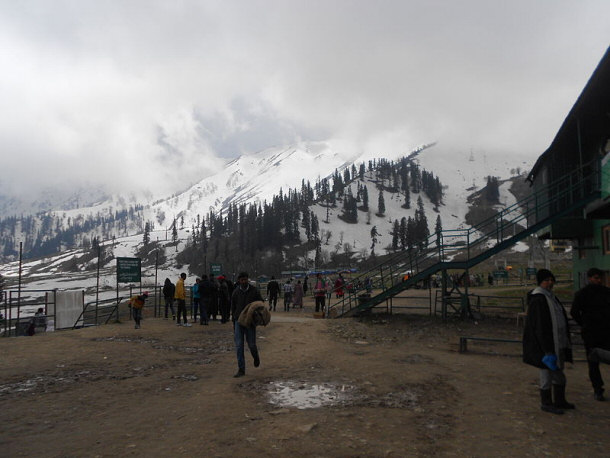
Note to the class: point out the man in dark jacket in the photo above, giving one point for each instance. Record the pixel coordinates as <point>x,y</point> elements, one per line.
<point>591,310</point>
<point>243,295</point>
<point>273,289</point>
<point>207,293</point>
<point>168,293</point>
<point>224,299</point>
<point>546,342</point>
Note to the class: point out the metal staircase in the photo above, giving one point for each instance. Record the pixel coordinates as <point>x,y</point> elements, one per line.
<point>464,248</point>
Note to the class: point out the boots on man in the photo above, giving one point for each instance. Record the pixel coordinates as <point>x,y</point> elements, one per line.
<point>546,402</point>
<point>559,393</point>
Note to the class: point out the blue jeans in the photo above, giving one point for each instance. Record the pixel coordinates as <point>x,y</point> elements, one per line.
<point>203,307</point>
<point>250,334</point>
<point>195,308</point>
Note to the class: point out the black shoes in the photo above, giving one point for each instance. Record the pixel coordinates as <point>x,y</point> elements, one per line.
<point>559,393</point>
<point>598,395</point>
<point>546,402</point>
<point>240,373</point>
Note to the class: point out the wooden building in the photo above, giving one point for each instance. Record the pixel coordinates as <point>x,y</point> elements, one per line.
<point>575,169</point>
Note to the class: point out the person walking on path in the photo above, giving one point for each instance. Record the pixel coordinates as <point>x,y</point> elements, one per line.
<point>288,290</point>
<point>591,310</point>
<point>169,289</point>
<point>320,288</point>
<point>298,295</point>
<point>243,295</point>
<point>273,291</point>
<point>137,304</point>
<point>546,342</point>
<point>180,296</point>
<point>339,283</point>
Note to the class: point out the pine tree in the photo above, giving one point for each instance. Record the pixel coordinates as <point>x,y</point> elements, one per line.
<point>374,235</point>
<point>174,232</point>
<point>365,198</point>
<point>492,190</point>
<point>403,233</point>
<point>395,235</point>
<point>438,228</point>
<point>380,204</point>
<point>146,238</point>
<point>306,223</point>
<point>421,223</point>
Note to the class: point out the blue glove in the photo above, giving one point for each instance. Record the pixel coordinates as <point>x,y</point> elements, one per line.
<point>550,361</point>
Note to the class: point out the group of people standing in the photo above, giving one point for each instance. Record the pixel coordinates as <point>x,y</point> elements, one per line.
<point>210,299</point>
<point>294,293</point>
<point>546,336</point>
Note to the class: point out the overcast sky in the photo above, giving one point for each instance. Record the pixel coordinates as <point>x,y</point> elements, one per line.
<point>162,92</point>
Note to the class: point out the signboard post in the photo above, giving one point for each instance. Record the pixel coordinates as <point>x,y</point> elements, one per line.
<point>128,270</point>
<point>215,269</point>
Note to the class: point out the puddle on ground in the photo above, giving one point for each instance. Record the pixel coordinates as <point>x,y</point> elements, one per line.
<point>302,395</point>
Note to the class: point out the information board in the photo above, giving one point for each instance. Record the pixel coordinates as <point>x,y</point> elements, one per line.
<point>500,274</point>
<point>215,269</point>
<point>128,270</point>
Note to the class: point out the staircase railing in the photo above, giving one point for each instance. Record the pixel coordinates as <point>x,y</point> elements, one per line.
<point>464,248</point>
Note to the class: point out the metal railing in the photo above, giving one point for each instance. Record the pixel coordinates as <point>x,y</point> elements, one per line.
<point>464,248</point>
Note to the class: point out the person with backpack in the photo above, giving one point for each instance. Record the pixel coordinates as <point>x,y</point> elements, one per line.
<point>169,289</point>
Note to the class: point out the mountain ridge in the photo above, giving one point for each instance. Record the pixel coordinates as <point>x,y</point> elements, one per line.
<point>255,178</point>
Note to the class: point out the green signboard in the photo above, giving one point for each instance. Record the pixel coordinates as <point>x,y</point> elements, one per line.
<point>215,269</point>
<point>531,271</point>
<point>500,274</point>
<point>128,270</point>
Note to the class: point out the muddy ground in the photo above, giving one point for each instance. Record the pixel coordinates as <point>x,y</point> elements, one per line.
<point>377,386</point>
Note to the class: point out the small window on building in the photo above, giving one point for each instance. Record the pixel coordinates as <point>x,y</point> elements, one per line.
<point>606,239</point>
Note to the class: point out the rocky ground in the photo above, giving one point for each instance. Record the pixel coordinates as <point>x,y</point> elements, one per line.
<point>378,386</point>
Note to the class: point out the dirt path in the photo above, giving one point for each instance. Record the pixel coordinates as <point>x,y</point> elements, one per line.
<point>394,386</point>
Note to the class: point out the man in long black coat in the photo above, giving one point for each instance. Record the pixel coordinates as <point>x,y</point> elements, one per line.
<point>591,310</point>
<point>546,342</point>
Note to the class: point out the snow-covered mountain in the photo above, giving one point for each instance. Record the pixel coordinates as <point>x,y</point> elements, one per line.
<point>257,177</point>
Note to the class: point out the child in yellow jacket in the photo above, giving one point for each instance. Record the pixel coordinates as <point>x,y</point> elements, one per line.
<point>137,304</point>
